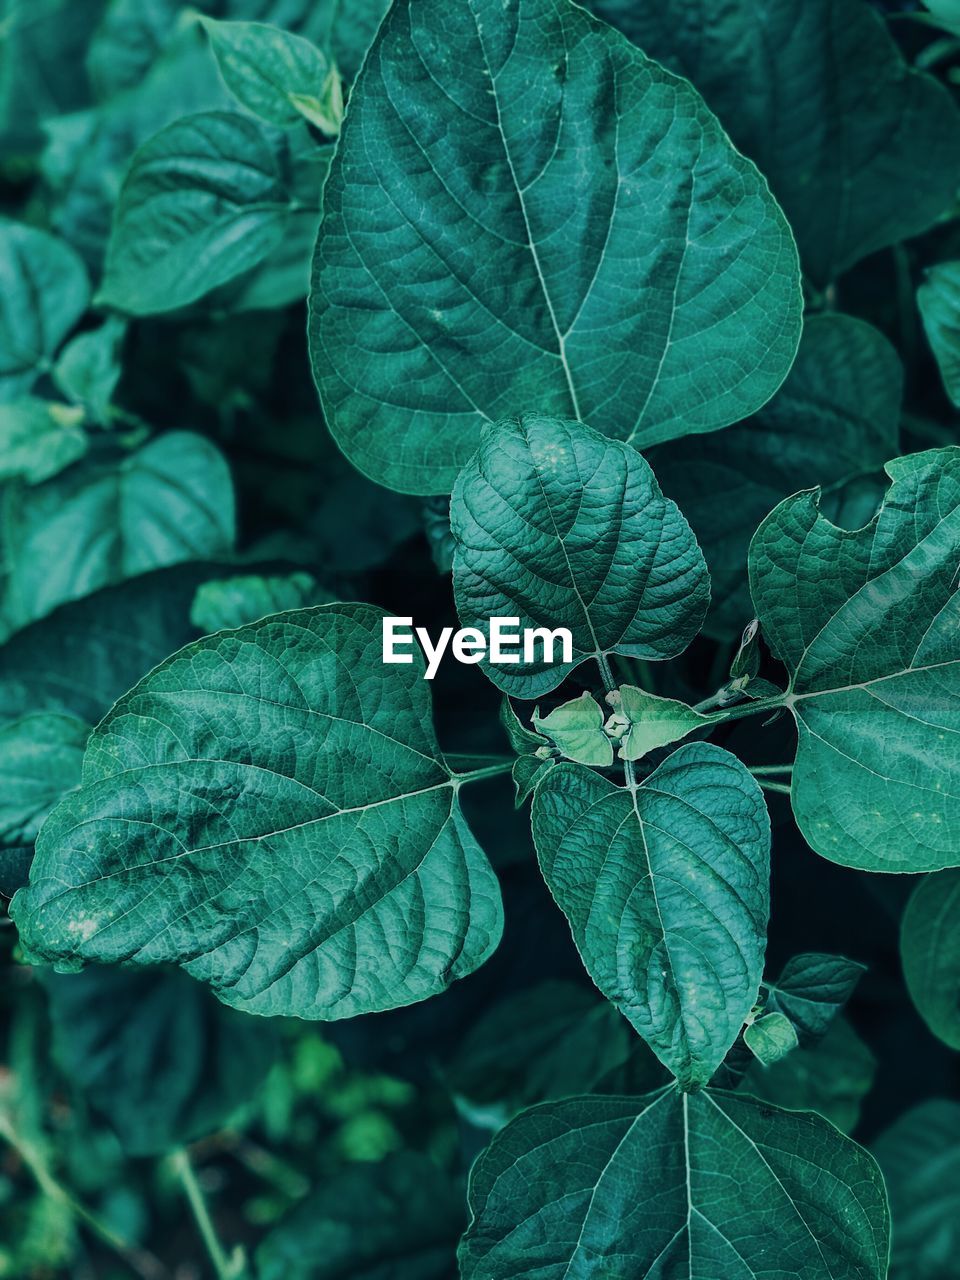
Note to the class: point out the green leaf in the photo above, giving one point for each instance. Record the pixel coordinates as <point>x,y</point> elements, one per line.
<point>653,722</point>
<point>946,13</point>
<point>561,527</point>
<point>524,211</point>
<point>233,602</point>
<point>811,991</point>
<point>88,369</point>
<point>39,438</point>
<point>155,1054</point>
<point>280,77</point>
<point>920,1158</point>
<point>40,758</point>
<point>832,1077</point>
<point>666,887</point>
<point>577,729</point>
<point>834,422</point>
<point>334,875</point>
<point>770,1038</point>
<point>203,202</point>
<point>819,95</point>
<point>349,29</point>
<point>45,291</point>
<point>101,521</point>
<point>866,623</point>
<point>938,299</point>
<point>930,949</point>
<point>534,753</point>
<point>396,1220</point>
<point>700,1185</point>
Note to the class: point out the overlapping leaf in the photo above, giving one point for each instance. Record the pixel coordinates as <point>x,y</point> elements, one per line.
<point>526,212</point>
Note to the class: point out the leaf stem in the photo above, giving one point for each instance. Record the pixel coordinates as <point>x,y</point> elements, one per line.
<point>488,771</point>
<point>227,1268</point>
<point>766,770</point>
<point>757,707</point>
<point>768,785</point>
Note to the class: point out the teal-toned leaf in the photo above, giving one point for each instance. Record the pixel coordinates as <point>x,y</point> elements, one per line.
<point>534,753</point>
<point>203,202</point>
<point>832,1077</point>
<point>939,301</point>
<point>40,759</point>
<point>576,727</point>
<point>946,13</point>
<point>770,1038</point>
<point>920,1158</point>
<point>819,95</point>
<point>279,76</point>
<point>834,422</point>
<point>333,875</point>
<point>155,1054</point>
<point>563,528</point>
<point>88,368</point>
<point>653,722</point>
<point>666,888</point>
<point>526,212</point>
<point>234,602</point>
<point>396,1220</point>
<point>866,623</point>
<point>696,1185</point>
<point>552,1040</point>
<point>39,438</point>
<point>930,949</point>
<point>811,991</point>
<point>349,27</point>
<point>44,290</point>
<point>102,521</point>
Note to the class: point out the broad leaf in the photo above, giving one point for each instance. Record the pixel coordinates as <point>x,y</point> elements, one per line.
<point>88,369</point>
<point>203,202</point>
<point>697,1185</point>
<point>38,438</point>
<point>666,887</point>
<point>866,623</point>
<point>334,875</point>
<point>819,95</point>
<point>939,301</point>
<point>577,729</point>
<point>233,602</point>
<point>811,991</point>
<point>102,521</point>
<point>279,76</point>
<point>155,1054</point>
<point>396,1220</point>
<point>930,949</point>
<point>920,1158</point>
<point>561,527</point>
<point>652,722</point>
<point>44,291</point>
<point>526,212</point>
<point>40,759</point>
<point>834,422</point>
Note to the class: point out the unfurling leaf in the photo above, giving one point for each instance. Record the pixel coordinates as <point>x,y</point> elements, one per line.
<point>653,722</point>
<point>577,729</point>
<point>770,1038</point>
<point>811,991</point>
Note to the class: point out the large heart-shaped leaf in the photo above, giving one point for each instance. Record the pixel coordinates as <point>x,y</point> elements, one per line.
<point>666,887</point>
<point>702,1186</point>
<point>834,422</point>
<point>269,809</point>
<point>561,527</point>
<point>526,212</point>
<point>930,949</point>
<point>866,623</point>
<point>818,94</point>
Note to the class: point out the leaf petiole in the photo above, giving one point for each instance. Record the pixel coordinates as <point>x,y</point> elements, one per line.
<point>233,1267</point>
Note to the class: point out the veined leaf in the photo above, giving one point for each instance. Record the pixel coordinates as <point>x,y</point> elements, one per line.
<point>534,753</point>
<point>269,809</point>
<point>101,521</point>
<point>40,759</point>
<point>38,438</point>
<point>939,301</point>
<point>203,202</point>
<point>700,1185</point>
<point>770,1038</point>
<point>834,422</point>
<point>811,991</point>
<point>233,602</point>
<point>866,623</point>
<point>44,291</point>
<point>930,949</point>
<point>577,729</point>
<point>524,210</point>
<point>653,722</point>
<point>666,887</point>
<point>819,95</point>
<point>561,527</point>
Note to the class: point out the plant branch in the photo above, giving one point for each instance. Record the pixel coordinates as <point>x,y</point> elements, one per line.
<point>768,785</point>
<point>767,770</point>
<point>500,766</point>
<point>227,1268</point>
